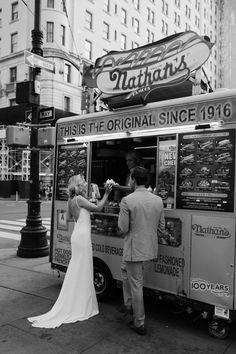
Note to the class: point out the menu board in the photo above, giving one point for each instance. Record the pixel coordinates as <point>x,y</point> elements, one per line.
<point>166,175</point>
<point>205,171</point>
<point>71,160</point>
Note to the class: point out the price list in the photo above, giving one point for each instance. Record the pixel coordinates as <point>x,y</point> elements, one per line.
<point>205,171</point>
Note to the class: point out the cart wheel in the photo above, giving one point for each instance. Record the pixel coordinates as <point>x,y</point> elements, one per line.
<point>218,329</point>
<point>103,282</point>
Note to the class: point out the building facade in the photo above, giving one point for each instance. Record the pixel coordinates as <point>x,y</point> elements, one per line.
<point>227,59</point>
<point>77,32</point>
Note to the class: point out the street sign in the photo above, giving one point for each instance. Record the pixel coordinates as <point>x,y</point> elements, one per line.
<point>36,61</point>
<point>28,116</point>
<point>46,115</point>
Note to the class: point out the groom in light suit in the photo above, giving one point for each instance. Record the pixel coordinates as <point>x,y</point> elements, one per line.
<point>141,218</point>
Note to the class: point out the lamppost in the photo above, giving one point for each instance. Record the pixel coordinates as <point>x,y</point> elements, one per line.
<point>34,235</point>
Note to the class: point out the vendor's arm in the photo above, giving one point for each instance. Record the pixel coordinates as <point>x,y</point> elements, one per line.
<point>126,189</point>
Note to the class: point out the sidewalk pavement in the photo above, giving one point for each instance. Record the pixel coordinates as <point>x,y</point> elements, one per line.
<point>29,287</point>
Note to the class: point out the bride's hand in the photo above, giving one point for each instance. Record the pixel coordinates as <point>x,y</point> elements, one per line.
<point>108,188</point>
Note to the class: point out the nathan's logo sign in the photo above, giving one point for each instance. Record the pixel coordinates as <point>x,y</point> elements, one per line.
<point>163,63</point>
<point>214,288</point>
<point>211,231</point>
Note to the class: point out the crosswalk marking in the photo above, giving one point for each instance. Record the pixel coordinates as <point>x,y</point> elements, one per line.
<point>16,226</point>
<point>10,227</point>
<point>10,222</point>
<point>22,222</point>
<point>10,235</point>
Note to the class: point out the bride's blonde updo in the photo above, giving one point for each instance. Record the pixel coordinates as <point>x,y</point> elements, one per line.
<point>77,186</point>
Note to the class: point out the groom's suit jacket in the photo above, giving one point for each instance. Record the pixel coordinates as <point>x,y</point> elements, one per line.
<point>141,217</point>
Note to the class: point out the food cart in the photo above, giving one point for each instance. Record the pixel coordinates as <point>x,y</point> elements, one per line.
<point>186,139</point>
<point>188,145</point>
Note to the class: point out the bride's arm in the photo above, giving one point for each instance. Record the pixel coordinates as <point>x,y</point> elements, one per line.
<point>84,203</point>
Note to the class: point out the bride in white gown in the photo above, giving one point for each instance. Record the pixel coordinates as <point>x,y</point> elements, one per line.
<point>77,299</point>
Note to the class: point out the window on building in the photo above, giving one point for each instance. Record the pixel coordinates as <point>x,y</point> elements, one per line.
<point>14,37</point>
<point>124,16</point>
<point>107,6</point>
<point>177,19</point>
<point>50,32</point>
<point>136,4</point>
<point>187,11</point>
<point>67,73</point>
<point>50,4</point>
<point>187,27</point>
<point>12,102</point>
<point>136,26</point>
<point>116,9</point>
<point>115,35</point>
<point>164,27</point>
<point>134,45</point>
<point>63,35</point>
<point>13,74</point>
<point>150,36</point>
<point>106,30</point>
<point>0,17</point>
<point>66,104</point>
<point>14,11</point>
<point>123,41</point>
<point>104,51</point>
<point>211,79</point>
<point>88,20</point>
<point>63,2</point>
<point>150,16</point>
<point>177,3</point>
<point>165,8</point>
<point>88,49</point>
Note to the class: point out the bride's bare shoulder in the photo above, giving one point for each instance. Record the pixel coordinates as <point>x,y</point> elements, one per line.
<point>80,200</point>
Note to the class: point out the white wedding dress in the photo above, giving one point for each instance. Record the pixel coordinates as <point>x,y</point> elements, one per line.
<point>77,299</point>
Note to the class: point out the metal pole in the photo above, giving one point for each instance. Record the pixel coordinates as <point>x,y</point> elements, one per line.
<point>34,235</point>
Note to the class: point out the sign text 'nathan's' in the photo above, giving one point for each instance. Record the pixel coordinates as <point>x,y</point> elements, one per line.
<point>159,64</point>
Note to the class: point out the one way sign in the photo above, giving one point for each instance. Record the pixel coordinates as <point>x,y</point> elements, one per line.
<point>46,115</point>
<point>36,61</point>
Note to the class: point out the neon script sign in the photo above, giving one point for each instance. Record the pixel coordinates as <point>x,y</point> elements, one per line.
<point>163,63</point>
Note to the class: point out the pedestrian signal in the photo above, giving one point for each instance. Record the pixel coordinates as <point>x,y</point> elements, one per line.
<point>85,100</point>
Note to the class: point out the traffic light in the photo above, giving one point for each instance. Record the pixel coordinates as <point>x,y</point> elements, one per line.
<point>17,135</point>
<point>85,100</point>
<point>46,137</point>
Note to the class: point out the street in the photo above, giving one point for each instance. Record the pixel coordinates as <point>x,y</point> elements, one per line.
<point>28,287</point>
<point>12,218</point>
<point>13,210</point>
